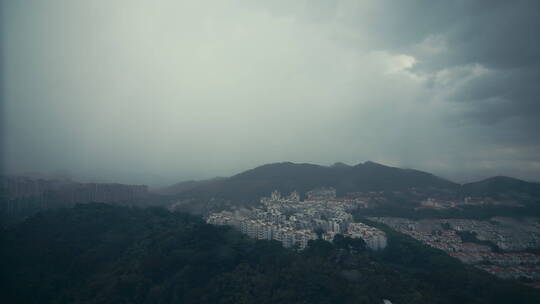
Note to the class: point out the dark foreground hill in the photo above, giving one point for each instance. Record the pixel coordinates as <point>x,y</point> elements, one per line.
<point>286,177</point>
<point>97,253</point>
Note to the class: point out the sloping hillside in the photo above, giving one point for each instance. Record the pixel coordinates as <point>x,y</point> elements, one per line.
<point>502,186</point>
<point>286,177</point>
<point>185,186</point>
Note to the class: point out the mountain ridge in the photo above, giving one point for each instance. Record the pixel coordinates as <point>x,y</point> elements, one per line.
<point>288,176</point>
<point>367,176</point>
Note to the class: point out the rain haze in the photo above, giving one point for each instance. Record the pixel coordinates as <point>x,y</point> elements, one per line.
<point>157,92</point>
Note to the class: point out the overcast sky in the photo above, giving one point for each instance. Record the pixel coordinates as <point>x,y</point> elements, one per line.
<point>161,91</point>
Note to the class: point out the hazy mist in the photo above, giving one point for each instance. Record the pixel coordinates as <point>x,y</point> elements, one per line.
<point>161,91</point>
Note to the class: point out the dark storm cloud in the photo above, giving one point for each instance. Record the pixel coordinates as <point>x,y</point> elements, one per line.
<point>173,90</point>
<point>502,38</point>
<point>482,55</point>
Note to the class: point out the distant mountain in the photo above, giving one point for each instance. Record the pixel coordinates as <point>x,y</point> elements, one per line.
<point>186,185</point>
<point>340,165</point>
<point>502,186</point>
<point>287,176</point>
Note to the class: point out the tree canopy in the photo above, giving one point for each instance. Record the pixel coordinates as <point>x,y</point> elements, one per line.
<point>98,253</point>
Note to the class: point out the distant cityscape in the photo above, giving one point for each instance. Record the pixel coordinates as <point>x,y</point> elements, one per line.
<point>500,247</point>
<point>440,204</point>
<point>294,223</point>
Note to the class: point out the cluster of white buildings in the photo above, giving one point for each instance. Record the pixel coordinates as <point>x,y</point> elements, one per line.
<point>374,238</point>
<point>263,230</point>
<point>294,222</point>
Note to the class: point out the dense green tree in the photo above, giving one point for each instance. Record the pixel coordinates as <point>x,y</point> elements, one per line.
<point>98,253</point>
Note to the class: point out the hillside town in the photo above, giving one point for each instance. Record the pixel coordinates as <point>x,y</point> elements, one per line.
<point>499,246</point>
<point>441,204</point>
<point>294,223</point>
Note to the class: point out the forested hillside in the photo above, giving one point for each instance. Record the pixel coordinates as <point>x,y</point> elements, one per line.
<point>98,253</point>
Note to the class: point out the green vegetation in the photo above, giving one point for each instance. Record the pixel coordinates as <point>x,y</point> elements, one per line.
<point>98,253</point>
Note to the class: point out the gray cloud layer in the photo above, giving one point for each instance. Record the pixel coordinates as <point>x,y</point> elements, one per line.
<point>159,91</point>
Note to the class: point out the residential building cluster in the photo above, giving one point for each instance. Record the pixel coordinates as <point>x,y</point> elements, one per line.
<point>322,193</point>
<point>294,222</point>
<point>263,230</point>
<point>374,238</point>
<point>439,204</point>
<point>510,236</point>
<point>22,197</point>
